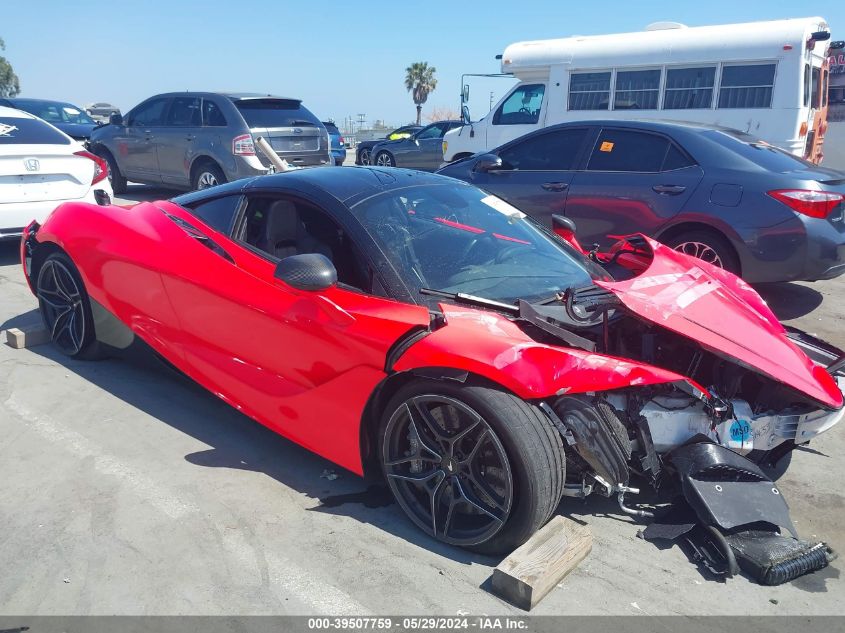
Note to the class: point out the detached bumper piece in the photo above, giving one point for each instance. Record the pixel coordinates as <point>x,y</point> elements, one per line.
<point>729,516</point>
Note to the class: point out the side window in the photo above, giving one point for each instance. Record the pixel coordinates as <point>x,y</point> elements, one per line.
<point>434,131</point>
<point>522,107</point>
<point>637,90</point>
<point>219,212</point>
<point>282,227</point>
<point>814,91</point>
<point>184,112</point>
<point>676,159</point>
<point>550,151</point>
<point>689,88</point>
<point>589,91</point>
<point>149,113</point>
<point>211,114</point>
<point>748,86</point>
<point>628,150</point>
<point>806,85</point>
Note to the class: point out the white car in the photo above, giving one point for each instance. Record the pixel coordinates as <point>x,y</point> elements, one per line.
<point>41,167</point>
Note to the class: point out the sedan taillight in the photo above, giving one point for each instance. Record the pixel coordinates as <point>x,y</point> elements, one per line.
<point>101,170</point>
<point>243,145</point>
<point>816,204</point>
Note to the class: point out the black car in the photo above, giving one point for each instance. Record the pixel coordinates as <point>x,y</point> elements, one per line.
<point>364,148</point>
<point>716,193</point>
<point>70,119</point>
<point>423,150</point>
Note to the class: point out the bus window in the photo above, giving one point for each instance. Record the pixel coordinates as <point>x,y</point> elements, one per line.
<point>522,107</point>
<point>688,88</point>
<point>747,86</point>
<point>637,89</point>
<point>817,72</point>
<point>806,85</point>
<point>589,91</point>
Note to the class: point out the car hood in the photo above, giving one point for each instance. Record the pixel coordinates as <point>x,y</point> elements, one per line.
<point>77,130</point>
<point>725,315</point>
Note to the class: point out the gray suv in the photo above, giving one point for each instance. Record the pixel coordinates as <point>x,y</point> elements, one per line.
<point>200,139</point>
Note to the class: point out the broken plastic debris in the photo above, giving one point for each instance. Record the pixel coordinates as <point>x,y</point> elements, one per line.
<point>329,474</point>
<point>66,580</point>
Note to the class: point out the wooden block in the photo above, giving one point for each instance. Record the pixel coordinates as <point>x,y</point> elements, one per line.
<point>535,568</point>
<point>27,336</point>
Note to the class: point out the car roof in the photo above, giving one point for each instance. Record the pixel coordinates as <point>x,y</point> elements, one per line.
<point>14,113</point>
<point>14,100</point>
<point>234,96</point>
<point>348,184</point>
<point>655,125</point>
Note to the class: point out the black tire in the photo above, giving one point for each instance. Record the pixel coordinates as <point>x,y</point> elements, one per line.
<point>688,241</point>
<point>207,174</point>
<point>364,156</point>
<point>66,308</point>
<point>385,159</point>
<point>117,180</point>
<point>533,449</point>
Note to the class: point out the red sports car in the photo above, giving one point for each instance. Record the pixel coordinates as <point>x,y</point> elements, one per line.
<point>412,323</point>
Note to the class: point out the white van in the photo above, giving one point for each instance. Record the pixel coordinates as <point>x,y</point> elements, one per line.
<point>765,78</point>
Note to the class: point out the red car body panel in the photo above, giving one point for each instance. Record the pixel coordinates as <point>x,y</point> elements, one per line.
<point>489,345</point>
<point>301,363</point>
<point>725,315</point>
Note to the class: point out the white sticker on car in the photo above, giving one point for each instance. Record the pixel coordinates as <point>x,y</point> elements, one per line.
<point>502,207</point>
<point>6,130</point>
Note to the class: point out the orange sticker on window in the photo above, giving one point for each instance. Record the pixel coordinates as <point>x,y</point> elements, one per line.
<point>606,146</point>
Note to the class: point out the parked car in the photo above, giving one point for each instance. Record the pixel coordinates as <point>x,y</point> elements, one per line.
<point>363,149</point>
<point>41,167</point>
<point>422,150</point>
<point>721,195</point>
<point>65,116</point>
<point>194,140</point>
<point>419,326</point>
<point>101,111</point>
<point>338,144</point>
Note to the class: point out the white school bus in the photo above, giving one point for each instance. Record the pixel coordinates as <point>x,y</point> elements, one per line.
<point>765,78</point>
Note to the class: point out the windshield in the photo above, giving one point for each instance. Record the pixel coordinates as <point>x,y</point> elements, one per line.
<point>54,112</point>
<point>456,238</point>
<point>758,151</point>
<point>275,113</point>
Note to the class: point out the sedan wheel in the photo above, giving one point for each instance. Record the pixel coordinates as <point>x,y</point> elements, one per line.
<point>448,469</point>
<point>364,157</point>
<point>702,251</point>
<point>64,305</point>
<point>385,160</point>
<point>707,246</point>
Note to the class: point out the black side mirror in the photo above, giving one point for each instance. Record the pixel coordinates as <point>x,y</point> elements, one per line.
<point>487,162</point>
<point>309,271</point>
<point>115,119</point>
<point>564,227</point>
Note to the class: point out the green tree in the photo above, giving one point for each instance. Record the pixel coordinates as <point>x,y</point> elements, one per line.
<point>420,82</point>
<point>10,86</point>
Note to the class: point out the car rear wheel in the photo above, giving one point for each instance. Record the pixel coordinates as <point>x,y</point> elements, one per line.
<point>208,175</point>
<point>471,465</point>
<point>708,246</point>
<point>364,156</point>
<point>384,159</point>
<point>116,179</point>
<point>65,307</point>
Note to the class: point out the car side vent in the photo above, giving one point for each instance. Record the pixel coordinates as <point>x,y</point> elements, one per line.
<point>199,236</point>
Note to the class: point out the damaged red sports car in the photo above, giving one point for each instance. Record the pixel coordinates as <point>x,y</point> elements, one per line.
<point>415,325</point>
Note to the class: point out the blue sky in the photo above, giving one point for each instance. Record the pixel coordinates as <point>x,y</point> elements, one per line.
<point>341,58</point>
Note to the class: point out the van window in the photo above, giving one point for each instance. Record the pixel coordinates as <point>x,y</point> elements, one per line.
<point>184,112</point>
<point>814,90</point>
<point>522,107</point>
<point>628,150</point>
<point>689,88</point>
<point>589,91</point>
<point>275,113</point>
<point>211,114</point>
<point>747,86</point>
<point>637,90</point>
<point>550,151</point>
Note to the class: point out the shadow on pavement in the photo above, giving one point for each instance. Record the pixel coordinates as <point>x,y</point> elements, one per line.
<point>790,300</point>
<point>144,193</point>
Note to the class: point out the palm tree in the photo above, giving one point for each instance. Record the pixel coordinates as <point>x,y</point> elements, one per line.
<point>420,81</point>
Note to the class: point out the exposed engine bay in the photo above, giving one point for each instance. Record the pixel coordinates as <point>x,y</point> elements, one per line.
<point>704,445</point>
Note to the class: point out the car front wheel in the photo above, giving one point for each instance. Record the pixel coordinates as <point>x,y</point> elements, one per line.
<point>384,159</point>
<point>471,465</point>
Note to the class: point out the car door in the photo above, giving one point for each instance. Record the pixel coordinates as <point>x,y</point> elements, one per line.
<point>537,171</point>
<point>418,152</point>
<point>634,181</point>
<point>137,155</point>
<point>175,140</point>
<point>302,362</point>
